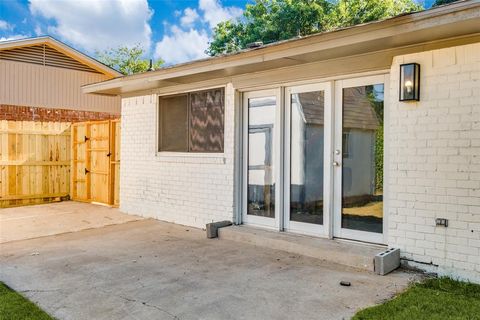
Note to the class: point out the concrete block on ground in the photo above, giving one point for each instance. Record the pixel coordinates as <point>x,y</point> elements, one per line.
<point>212,228</point>
<point>387,261</point>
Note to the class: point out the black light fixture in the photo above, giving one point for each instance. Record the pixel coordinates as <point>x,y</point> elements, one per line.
<point>409,82</point>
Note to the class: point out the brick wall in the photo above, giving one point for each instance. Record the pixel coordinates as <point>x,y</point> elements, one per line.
<point>188,189</point>
<point>23,113</point>
<point>434,157</point>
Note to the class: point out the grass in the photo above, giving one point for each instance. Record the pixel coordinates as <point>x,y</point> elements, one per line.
<point>432,299</point>
<point>13,306</point>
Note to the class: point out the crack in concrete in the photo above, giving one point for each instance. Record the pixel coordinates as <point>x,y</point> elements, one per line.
<point>174,317</point>
<point>38,290</point>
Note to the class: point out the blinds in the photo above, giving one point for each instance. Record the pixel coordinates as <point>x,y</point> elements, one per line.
<point>207,121</point>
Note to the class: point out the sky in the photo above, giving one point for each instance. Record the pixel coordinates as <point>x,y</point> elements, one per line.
<point>175,30</point>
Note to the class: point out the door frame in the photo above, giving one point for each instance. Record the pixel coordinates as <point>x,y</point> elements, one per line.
<point>338,231</point>
<point>300,227</point>
<point>277,222</point>
<point>332,190</point>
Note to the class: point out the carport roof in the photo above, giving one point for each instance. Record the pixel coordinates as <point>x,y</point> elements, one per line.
<point>456,20</point>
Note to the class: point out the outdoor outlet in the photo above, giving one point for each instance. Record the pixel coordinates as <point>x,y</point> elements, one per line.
<point>387,261</point>
<point>441,222</point>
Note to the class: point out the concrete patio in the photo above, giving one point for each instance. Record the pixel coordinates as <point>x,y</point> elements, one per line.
<point>154,270</point>
<point>29,222</point>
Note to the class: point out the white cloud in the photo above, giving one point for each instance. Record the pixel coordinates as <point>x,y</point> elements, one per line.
<point>189,39</point>
<point>182,45</point>
<point>190,16</point>
<point>13,37</point>
<point>213,12</point>
<point>38,30</point>
<point>97,25</point>
<point>4,25</point>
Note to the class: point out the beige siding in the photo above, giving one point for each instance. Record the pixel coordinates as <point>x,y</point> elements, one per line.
<point>33,85</point>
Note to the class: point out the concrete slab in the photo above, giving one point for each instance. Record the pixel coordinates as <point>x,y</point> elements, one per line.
<point>153,270</point>
<point>352,254</point>
<point>20,223</point>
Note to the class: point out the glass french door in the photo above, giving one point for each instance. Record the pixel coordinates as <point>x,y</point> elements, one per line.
<point>313,159</point>
<point>261,162</point>
<point>358,159</point>
<point>307,127</point>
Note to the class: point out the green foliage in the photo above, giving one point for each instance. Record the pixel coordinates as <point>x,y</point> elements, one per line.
<point>378,106</point>
<point>270,21</point>
<point>435,299</point>
<point>276,20</point>
<point>15,306</point>
<point>351,12</point>
<point>127,60</point>
<point>441,2</point>
<point>379,158</point>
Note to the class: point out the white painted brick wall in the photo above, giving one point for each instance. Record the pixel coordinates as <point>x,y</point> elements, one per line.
<point>192,189</point>
<point>434,156</point>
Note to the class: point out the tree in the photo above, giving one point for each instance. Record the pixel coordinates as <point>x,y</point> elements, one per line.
<point>275,20</point>
<point>270,21</point>
<point>441,2</point>
<point>351,12</point>
<point>127,60</point>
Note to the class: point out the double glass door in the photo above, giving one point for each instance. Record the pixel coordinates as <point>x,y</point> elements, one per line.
<point>313,159</point>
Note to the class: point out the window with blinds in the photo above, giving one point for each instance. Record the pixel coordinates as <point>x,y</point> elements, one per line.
<point>192,122</point>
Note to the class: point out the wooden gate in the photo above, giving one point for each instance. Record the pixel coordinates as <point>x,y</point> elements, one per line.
<point>96,161</point>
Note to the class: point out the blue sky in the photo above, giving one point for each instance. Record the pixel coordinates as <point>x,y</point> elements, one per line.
<point>176,30</point>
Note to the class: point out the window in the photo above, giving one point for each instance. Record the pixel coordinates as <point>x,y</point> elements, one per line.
<point>192,122</point>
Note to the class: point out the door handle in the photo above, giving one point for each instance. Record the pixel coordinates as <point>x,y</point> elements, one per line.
<point>335,164</point>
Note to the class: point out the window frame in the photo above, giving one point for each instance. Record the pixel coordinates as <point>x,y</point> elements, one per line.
<point>158,128</point>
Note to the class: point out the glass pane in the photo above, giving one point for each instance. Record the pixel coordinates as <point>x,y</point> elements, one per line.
<point>362,165</point>
<point>207,121</point>
<point>173,124</point>
<point>306,157</point>
<point>261,157</point>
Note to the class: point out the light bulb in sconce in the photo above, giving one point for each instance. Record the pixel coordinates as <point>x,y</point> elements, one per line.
<point>409,82</point>
<point>409,86</point>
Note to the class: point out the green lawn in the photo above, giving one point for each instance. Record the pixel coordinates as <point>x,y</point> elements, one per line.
<point>432,299</point>
<point>14,306</point>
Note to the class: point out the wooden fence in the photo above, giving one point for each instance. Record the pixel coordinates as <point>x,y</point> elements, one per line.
<point>34,162</point>
<point>46,161</point>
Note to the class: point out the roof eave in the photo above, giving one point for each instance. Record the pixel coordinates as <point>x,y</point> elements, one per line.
<point>329,40</point>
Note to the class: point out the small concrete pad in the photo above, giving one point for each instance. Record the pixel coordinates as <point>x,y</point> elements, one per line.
<point>28,222</point>
<point>350,254</point>
<point>155,270</point>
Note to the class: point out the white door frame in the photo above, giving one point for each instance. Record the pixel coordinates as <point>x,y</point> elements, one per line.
<point>273,223</point>
<point>294,226</point>
<point>338,231</point>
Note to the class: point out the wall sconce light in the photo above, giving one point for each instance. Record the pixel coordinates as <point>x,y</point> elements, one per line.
<point>410,82</point>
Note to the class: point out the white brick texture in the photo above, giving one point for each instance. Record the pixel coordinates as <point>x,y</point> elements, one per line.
<point>434,157</point>
<point>188,189</point>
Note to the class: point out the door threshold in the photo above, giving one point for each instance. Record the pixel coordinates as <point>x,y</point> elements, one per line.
<point>351,254</point>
